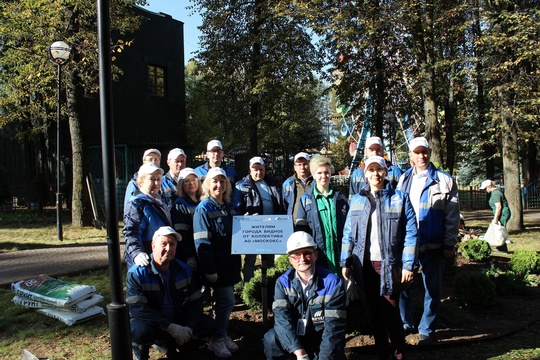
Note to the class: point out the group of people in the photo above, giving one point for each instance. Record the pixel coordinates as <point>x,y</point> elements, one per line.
<point>178,232</point>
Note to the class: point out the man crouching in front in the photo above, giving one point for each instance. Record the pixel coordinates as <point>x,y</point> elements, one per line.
<point>309,307</point>
<point>165,303</point>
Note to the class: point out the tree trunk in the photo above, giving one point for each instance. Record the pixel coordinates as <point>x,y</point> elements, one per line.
<point>426,58</point>
<point>449,120</point>
<point>510,153</point>
<point>80,207</point>
<point>255,105</point>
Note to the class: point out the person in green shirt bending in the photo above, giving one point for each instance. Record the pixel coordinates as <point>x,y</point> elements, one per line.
<point>499,205</point>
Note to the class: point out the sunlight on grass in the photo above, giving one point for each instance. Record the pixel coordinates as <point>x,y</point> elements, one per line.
<point>28,230</point>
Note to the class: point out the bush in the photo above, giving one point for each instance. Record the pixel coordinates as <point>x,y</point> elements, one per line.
<point>476,250</point>
<point>525,262</point>
<point>474,289</point>
<point>507,282</point>
<point>282,263</point>
<point>252,292</point>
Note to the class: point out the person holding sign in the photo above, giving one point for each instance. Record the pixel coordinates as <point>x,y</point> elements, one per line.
<point>257,194</point>
<point>322,213</point>
<point>379,252</point>
<point>212,231</point>
<point>309,308</point>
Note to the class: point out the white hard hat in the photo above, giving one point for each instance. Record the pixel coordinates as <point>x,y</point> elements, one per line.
<point>300,240</point>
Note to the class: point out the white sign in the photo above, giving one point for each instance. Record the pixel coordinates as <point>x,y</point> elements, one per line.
<point>261,234</point>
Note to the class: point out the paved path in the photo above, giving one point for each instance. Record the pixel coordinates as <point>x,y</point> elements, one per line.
<point>54,261</point>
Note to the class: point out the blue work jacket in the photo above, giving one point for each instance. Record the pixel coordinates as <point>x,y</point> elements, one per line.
<point>438,218</point>
<point>398,235</point>
<point>212,231</point>
<point>323,308</point>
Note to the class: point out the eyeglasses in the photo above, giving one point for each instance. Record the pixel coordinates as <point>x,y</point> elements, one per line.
<point>306,254</point>
<point>189,182</point>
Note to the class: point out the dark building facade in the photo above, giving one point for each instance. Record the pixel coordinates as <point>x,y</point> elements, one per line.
<point>148,99</point>
<point>148,112</point>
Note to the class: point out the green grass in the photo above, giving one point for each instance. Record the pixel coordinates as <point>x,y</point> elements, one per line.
<point>25,230</point>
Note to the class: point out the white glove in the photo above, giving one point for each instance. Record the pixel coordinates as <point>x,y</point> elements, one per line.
<point>302,357</point>
<point>142,259</point>
<point>192,263</point>
<point>212,277</point>
<point>181,334</point>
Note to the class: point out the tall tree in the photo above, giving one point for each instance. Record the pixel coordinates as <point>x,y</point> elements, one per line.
<point>27,28</point>
<point>258,67</point>
<point>512,64</point>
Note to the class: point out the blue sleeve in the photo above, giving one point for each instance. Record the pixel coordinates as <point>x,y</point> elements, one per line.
<point>409,256</point>
<point>335,322</point>
<point>347,242</point>
<point>356,181</point>
<point>202,235</point>
<point>138,304</point>
<point>238,199</point>
<point>302,223</point>
<point>134,223</point>
<point>130,189</point>
<point>285,320</point>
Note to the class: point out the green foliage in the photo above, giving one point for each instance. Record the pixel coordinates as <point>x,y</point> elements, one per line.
<point>477,250</point>
<point>282,264</point>
<point>28,78</point>
<point>507,282</point>
<point>252,292</point>
<point>525,262</point>
<point>255,85</point>
<point>469,284</point>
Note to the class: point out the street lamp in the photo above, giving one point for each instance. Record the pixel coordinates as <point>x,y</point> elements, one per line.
<point>59,52</point>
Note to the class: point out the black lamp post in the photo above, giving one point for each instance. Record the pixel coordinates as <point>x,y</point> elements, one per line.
<point>59,52</point>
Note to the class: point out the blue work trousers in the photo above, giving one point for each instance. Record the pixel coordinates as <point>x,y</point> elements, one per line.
<point>432,263</point>
<point>224,304</point>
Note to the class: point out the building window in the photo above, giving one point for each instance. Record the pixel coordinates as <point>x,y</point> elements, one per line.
<point>156,80</point>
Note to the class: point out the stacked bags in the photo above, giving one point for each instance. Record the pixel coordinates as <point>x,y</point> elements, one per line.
<point>69,303</point>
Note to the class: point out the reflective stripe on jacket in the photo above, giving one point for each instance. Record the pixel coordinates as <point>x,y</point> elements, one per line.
<point>212,232</point>
<point>438,216</point>
<point>142,217</point>
<point>145,291</point>
<point>323,308</point>
<point>398,234</point>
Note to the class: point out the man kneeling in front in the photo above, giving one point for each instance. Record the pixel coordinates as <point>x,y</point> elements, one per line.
<point>165,302</point>
<point>309,307</point>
